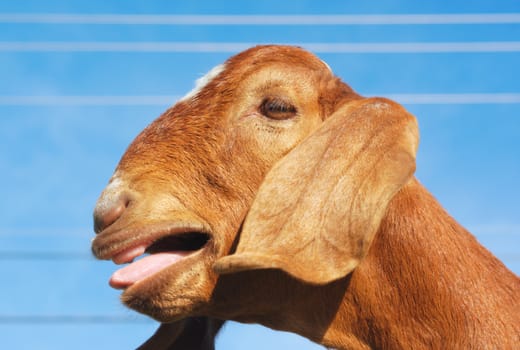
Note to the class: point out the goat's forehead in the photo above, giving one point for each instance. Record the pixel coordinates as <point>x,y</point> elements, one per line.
<point>276,55</point>
<point>261,58</point>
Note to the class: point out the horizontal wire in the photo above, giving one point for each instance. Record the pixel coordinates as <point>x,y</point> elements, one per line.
<point>32,255</point>
<point>264,20</point>
<point>473,98</point>
<point>71,319</point>
<point>158,100</point>
<point>232,47</point>
<point>167,100</point>
<point>507,229</point>
<point>78,256</point>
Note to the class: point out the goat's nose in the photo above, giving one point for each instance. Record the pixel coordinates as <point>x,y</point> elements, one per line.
<point>108,209</point>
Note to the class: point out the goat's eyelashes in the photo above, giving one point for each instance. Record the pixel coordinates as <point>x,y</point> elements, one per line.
<point>277,108</point>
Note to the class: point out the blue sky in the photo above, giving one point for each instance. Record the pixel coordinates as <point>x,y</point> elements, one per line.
<point>74,91</point>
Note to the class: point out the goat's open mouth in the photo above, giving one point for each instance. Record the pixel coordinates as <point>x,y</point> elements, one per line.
<point>188,242</point>
<point>158,255</point>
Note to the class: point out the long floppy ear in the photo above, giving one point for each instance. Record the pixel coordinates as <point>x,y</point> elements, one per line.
<point>188,334</point>
<point>320,206</point>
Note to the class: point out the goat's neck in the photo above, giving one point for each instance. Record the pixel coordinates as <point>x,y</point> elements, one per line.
<point>426,283</point>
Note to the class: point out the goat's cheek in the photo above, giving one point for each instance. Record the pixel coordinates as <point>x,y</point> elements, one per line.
<point>248,146</point>
<point>275,141</point>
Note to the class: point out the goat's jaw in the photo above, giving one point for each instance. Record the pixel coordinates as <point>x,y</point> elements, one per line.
<point>175,279</point>
<point>177,291</point>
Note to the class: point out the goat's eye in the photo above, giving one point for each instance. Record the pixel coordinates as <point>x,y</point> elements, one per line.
<point>276,108</point>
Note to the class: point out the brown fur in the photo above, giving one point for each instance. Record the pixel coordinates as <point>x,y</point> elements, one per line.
<point>416,279</point>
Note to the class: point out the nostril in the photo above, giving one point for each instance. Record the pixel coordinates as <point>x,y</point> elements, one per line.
<point>108,211</point>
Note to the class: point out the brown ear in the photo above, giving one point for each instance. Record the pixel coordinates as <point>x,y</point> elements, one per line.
<point>319,207</point>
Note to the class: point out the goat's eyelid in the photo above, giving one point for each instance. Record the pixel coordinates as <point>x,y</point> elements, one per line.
<point>277,108</point>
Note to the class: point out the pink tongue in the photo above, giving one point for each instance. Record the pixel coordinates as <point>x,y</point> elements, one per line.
<point>143,268</point>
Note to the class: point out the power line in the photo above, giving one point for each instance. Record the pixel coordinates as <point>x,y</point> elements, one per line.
<point>484,98</point>
<point>167,100</point>
<point>33,255</point>
<point>72,319</point>
<point>47,231</point>
<point>80,256</point>
<point>143,100</point>
<point>262,20</point>
<point>233,47</point>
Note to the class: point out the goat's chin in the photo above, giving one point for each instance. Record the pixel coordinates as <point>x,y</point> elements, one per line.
<point>164,312</point>
<point>177,292</point>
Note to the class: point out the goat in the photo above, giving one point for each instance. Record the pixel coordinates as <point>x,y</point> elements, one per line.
<point>275,194</point>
